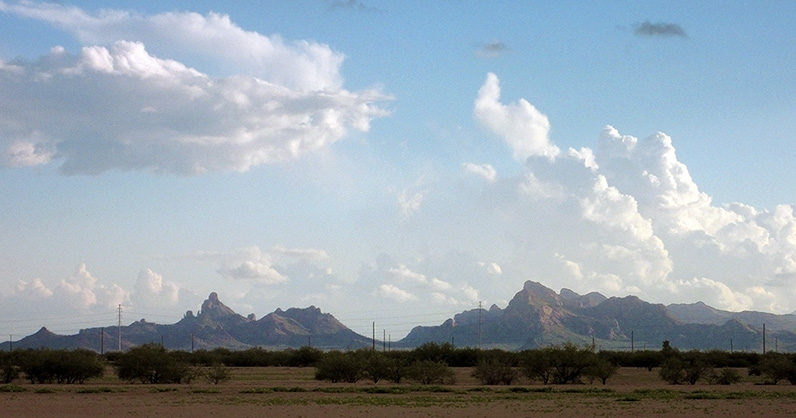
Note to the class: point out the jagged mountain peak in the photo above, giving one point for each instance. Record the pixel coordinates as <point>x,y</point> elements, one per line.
<point>535,293</point>
<point>213,307</point>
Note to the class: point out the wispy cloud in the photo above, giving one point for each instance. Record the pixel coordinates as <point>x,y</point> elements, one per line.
<point>355,5</point>
<point>491,50</point>
<point>660,29</point>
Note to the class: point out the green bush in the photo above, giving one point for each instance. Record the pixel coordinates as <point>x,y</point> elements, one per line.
<point>151,363</point>
<point>494,371</point>
<point>428,372</point>
<point>337,366</point>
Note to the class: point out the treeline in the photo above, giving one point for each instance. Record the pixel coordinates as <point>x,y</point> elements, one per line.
<point>430,363</point>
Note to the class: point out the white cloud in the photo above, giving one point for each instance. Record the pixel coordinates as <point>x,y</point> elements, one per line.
<point>153,291</point>
<point>33,290</point>
<point>440,285</point>
<point>410,202</point>
<point>302,253</point>
<point>484,170</point>
<point>519,124</point>
<point>403,273</point>
<point>395,293</point>
<point>275,103</point>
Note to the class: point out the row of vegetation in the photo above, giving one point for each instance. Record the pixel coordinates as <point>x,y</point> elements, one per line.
<point>428,364</point>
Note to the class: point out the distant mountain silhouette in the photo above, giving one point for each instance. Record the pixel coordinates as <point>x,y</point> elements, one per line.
<point>535,317</point>
<point>215,325</point>
<point>538,316</point>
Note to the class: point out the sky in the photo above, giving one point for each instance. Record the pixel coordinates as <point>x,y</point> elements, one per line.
<point>391,162</point>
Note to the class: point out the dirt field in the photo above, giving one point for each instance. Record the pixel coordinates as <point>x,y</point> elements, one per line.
<point>286,392</point>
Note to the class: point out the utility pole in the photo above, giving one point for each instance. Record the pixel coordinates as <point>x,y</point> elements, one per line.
<point>479,324</point>
<point>192,342</point>
<point>374,335</point>
<point>764,338</point>
<point>120,327</point>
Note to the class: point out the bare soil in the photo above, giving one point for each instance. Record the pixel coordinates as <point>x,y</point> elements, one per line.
<point>293,392</point>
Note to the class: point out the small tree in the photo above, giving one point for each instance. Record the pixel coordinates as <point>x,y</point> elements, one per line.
<point>151,363</point>
<point>726,376</point>
<point>337,366</point>
<point>427,372</point>
<point>601,370</point>
<point>673,371</point>
<point>569,362</point>
<point>9,371</point>
<point>494,371</point>
<point>776,367</point>
<point>537,364</point>
<point>217,373</point>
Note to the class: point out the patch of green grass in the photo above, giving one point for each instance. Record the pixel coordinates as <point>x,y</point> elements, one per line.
<point>101,389</point>
<point>291,389</point>
<point>162,390</point>
<point>202,390</point>
<point>45,390</point>
<point>12,388</point>
<point>257,390</point>
<point>657,393</point>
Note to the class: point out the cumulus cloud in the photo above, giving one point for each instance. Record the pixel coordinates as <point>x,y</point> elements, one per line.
<point>82,291</point>
<point>153,291</point>
<point>661,29</point>
<point>524,128</point>
<point>270,102</point>
<point>627,217</point>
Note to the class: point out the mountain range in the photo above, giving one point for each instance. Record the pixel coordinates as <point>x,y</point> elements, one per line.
<point>537,316</point>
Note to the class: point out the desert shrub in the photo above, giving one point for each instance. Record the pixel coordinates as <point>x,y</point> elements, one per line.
<point>494,371</point>
<point>428,372</point>
<point>775,367</point>
<point>647,359</point>
<point>60,366</point>
<point>376,365</point>
<point>434,352</point>
<point>537,365</point>
<point>569,362</point>
<point>151,363</point>
<point>217,373</point>
<point>9,371</point>
<point>305,357</point>
<point>397,368</point>
<point>337,366</point>
<point>673,371</point>
<point>601,370</point>
<point>725,376</point>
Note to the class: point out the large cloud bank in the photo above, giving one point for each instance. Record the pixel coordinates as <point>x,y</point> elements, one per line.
<point>174,92</point>
<point>626,217</point>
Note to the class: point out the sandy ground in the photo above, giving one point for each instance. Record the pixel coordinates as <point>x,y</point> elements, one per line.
<point>633,393</point>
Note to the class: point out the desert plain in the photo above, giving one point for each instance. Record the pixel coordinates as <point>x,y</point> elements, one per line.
<point>293,392</point>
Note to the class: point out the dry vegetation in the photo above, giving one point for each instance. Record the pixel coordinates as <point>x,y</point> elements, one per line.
<point>285,391</point>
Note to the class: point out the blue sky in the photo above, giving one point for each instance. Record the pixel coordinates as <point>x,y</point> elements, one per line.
<point>396,162</point>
